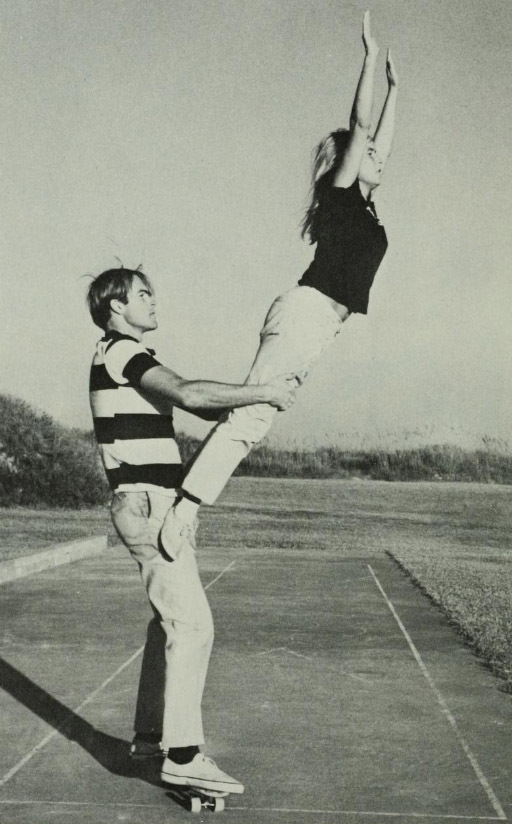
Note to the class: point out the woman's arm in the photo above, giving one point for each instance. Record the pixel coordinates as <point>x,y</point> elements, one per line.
<point>383,138</point>
<point>361,116</point>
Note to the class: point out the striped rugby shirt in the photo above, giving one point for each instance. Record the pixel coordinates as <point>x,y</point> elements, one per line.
<point>135,435</point>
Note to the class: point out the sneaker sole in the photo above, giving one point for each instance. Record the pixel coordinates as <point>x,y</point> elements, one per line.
<point>201,784</point>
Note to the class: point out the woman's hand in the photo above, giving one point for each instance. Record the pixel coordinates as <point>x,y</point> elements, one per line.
<point>391,71</point>
<point>369,42</point>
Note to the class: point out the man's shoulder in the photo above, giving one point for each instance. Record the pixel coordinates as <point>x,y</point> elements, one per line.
<point>126,358</point>
<point>114,338</point>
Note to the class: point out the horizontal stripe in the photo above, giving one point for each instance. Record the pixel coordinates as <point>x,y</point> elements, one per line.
<point>166,475</point>
<point>113,336</point>
<point>138,366</point>
<point>133,427</point>
<point>150,451</point>
<point>100,379</point>
<point>122,399</point>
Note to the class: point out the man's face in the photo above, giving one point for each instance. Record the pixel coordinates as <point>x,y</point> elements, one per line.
<point>139,310</point>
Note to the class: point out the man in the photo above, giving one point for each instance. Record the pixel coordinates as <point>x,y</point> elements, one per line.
<point>132,396</point>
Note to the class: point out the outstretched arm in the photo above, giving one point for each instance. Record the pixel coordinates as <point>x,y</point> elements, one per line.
<point>383,138</point>
<point>164,384</point>
<point>361,116</point>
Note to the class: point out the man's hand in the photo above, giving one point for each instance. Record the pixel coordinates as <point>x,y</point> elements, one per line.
<point>391,71</point>
<point>369,42</point>
<point>282,391</point>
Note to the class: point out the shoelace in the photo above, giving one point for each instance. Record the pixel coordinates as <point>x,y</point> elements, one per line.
<point>208,760</point>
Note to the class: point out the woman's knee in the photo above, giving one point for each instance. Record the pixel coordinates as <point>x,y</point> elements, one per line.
<point>249,423</point>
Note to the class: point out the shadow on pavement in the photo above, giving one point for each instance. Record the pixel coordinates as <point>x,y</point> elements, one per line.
<point>112,753</point>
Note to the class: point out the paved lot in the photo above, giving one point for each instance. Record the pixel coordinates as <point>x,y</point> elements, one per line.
<point>336,692</point>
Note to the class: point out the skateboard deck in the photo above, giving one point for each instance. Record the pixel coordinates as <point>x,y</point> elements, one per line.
<point>196,799</point>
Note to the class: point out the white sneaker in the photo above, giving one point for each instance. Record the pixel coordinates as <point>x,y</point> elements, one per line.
<point>201,772</point>
<point>175,533</point>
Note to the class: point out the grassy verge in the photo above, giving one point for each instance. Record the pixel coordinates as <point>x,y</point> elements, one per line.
<point>473,587</point>
<point>25,531</point>
<point>443,462</point>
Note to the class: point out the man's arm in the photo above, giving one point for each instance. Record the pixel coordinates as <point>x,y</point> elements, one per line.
<point>209,414</point>
<point>210,395</point>
<point>383,138</point>
<point>361,116</point>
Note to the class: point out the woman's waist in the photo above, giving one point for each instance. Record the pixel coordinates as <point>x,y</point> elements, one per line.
<point>308,304</point>
<point>340,309</point>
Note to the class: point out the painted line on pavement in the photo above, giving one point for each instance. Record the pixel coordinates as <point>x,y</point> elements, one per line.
<point>219,575</point>
<point>17,767</point>
<point>293,810</point>
<point>444,707</point>
<point>368,812</point>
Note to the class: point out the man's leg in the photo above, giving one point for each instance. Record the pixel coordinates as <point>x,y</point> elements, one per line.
<point>179,645</point>
<point>176,593</point>
<point>149,714</point>
<point>179,601</point>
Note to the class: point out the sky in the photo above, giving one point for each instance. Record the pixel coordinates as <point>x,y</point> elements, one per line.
<point>177,134</point>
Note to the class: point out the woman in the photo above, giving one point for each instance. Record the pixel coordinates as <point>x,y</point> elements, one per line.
<point>350,244</point>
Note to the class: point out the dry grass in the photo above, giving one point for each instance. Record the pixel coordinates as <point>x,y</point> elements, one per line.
<point>474,590</point>
<point>490,462</point>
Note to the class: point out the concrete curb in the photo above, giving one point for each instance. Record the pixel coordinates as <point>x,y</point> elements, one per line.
<point>61,554</point>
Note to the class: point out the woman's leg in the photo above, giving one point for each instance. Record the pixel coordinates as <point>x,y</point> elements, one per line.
<point>299,326</point>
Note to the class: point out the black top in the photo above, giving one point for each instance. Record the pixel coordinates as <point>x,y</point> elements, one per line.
<point>351,243</point>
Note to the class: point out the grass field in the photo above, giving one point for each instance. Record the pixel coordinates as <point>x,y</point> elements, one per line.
<point>453,539</point>
<point>24,531</point>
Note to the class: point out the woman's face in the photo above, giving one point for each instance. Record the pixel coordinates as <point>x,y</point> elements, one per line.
<point>370,171</point>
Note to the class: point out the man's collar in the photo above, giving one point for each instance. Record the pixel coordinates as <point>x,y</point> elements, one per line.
<point>113,335</point>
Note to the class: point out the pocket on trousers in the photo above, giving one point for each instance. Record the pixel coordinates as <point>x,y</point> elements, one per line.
<point>130,513</point>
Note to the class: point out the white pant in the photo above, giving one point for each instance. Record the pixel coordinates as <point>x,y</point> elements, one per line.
<point>180,635</point>
<point>299,326</point>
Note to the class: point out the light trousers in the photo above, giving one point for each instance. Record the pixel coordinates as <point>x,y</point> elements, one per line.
<point>299,326</point>
<point>180,634</point>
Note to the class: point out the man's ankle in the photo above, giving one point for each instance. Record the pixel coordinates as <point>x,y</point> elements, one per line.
<point>182,755</point>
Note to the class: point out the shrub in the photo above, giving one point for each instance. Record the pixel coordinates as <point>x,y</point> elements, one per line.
<point>43,462</point>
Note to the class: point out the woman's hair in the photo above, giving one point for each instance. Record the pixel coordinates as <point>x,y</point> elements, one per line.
<point>327,157</point>
<point>114,284</point>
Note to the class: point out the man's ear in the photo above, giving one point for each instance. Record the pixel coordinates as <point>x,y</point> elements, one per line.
<point>117,306</point>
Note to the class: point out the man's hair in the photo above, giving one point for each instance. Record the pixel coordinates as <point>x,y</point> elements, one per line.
<point>114,284</point>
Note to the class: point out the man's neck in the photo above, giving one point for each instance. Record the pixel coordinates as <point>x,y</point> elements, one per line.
<point>124,328</point>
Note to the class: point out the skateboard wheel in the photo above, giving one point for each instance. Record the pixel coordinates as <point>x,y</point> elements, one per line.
<point>195,805</point>
<point>218,805</point>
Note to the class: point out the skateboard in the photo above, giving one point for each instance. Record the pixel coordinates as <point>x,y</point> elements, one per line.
<point>196,799</point>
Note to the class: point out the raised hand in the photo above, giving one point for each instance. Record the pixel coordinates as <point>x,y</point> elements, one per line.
<point>391,72</point>
<point>369,42</point>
